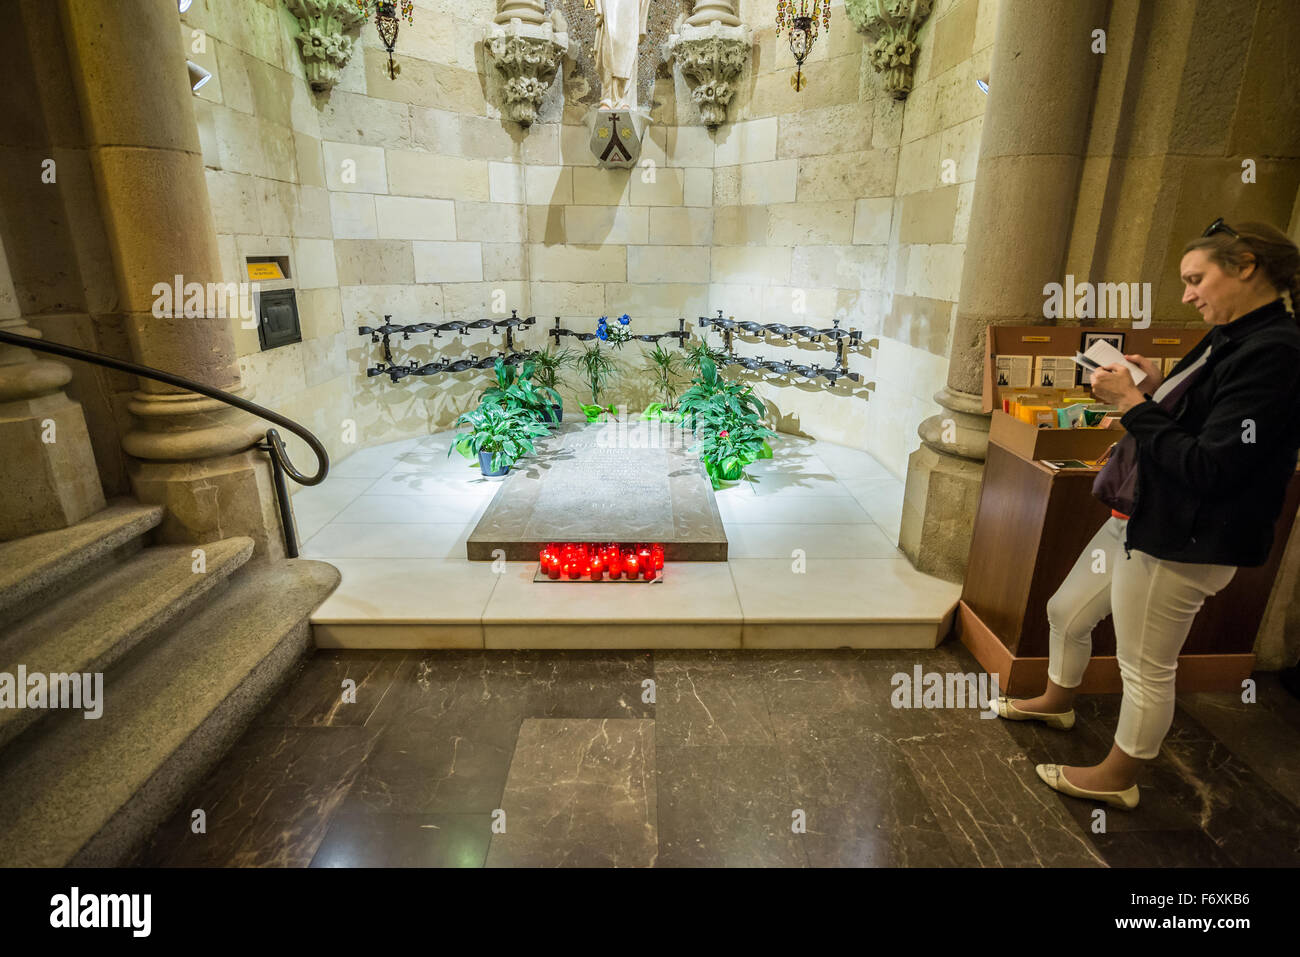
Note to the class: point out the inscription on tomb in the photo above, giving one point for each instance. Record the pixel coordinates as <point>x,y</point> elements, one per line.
<point>585,485</point>
<point>606,492</point>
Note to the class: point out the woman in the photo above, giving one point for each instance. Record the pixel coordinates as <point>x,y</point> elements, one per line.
<point>1195,487</point>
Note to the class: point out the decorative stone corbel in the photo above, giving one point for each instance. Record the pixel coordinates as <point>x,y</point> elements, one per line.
<point>892,25</point>
<point>711,48</point>
<point>527,48</point>
<point>324,45</point>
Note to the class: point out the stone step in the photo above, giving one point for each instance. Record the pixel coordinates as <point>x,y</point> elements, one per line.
<point>88,629</point>
<point>743,603</point>
<point>88,793</point>
<point>33,569</point>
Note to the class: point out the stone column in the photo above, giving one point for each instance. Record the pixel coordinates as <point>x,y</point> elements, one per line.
<point>192,452</point>
<point>47,470</point>
<point>710,11</point>
<point>1041,88</point>
<point>526,11</point>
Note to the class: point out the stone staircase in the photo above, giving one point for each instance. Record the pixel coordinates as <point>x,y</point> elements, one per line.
<point>189,650</point>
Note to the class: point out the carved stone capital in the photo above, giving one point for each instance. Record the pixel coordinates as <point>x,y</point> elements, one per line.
<point>527,57</point>
<point>711,58</point>
<point>892,25</point>
<point>322,40</point>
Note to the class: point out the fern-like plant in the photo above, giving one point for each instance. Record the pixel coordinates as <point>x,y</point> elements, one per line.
<point>598,368</point>
<point>698,349</point>
<point>666,367</point>
<point>547,366</point>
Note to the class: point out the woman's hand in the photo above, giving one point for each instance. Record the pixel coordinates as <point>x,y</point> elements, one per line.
<point>1113,384</point>
<point>1153,379</point>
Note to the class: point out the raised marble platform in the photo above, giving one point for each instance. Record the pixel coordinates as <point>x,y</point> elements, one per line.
<point>599,483</point>
<point>812,562</point>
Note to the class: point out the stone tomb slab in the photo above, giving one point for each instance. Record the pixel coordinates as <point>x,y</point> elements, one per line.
<point>588,483</point>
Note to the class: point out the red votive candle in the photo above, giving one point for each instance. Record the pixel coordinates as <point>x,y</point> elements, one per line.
<point>553,570</point>
<point>632,566</point>
<point>657,553</point>
<point>597,570</point>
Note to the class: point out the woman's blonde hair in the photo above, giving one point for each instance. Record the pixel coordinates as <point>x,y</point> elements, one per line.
<point>1274,252</point>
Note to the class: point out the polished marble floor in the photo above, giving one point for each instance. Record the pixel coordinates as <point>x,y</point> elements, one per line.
<point>400,513</point>
<point>711,758</point>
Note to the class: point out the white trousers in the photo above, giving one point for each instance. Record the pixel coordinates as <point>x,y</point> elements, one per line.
<point>1153,602</point>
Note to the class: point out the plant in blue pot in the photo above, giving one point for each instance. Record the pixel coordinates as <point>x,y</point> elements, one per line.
<point>498,436</point>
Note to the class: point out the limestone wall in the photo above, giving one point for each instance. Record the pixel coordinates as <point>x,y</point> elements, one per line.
<point>260,131</point>
<point>842,198</point>
<point>831,199</point>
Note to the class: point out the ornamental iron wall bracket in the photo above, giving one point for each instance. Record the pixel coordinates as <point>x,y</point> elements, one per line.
<point>844,339</point>
<point>754,363</point>
<point>443,366</point>
<point>396,370</point>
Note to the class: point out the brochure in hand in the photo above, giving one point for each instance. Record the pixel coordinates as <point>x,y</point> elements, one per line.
<point>1101,353</point>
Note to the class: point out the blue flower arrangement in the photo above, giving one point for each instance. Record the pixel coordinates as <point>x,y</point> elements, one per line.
<point>616,336</point>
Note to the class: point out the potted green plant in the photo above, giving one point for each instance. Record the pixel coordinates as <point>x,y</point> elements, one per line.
<point>516,390</point>
<point>727,445</point>
<point>498,436</point>
<point>711,398</point>
<point>598,368</point>
<point>546,373</point>
<point>666,367</point>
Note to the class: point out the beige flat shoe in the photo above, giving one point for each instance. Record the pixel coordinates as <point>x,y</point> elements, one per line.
<point>1051,774</point>
<point>1061,722</point>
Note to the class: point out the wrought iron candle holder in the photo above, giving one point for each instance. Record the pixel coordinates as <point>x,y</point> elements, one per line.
<point>754,363</point>
<point>844,339</point>
<point>398,370</point>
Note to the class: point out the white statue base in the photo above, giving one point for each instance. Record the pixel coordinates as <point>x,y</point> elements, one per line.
<point>616,136</point>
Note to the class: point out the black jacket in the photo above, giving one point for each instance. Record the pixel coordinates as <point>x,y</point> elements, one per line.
<point>1205,492</point>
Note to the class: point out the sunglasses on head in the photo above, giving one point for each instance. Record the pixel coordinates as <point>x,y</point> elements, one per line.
<point>1219,226</point>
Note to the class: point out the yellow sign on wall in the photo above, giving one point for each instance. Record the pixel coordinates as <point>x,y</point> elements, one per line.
<point>258,271</point>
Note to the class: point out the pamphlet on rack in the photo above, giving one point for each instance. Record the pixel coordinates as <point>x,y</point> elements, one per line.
<point>1054,372</point>
<point>1102,353</point>
<point>1015,371</point>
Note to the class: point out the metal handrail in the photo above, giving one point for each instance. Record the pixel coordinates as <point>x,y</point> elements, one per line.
<point>274,445</point>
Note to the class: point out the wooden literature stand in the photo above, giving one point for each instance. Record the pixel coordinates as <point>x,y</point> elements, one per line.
<point>1033,522</point>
